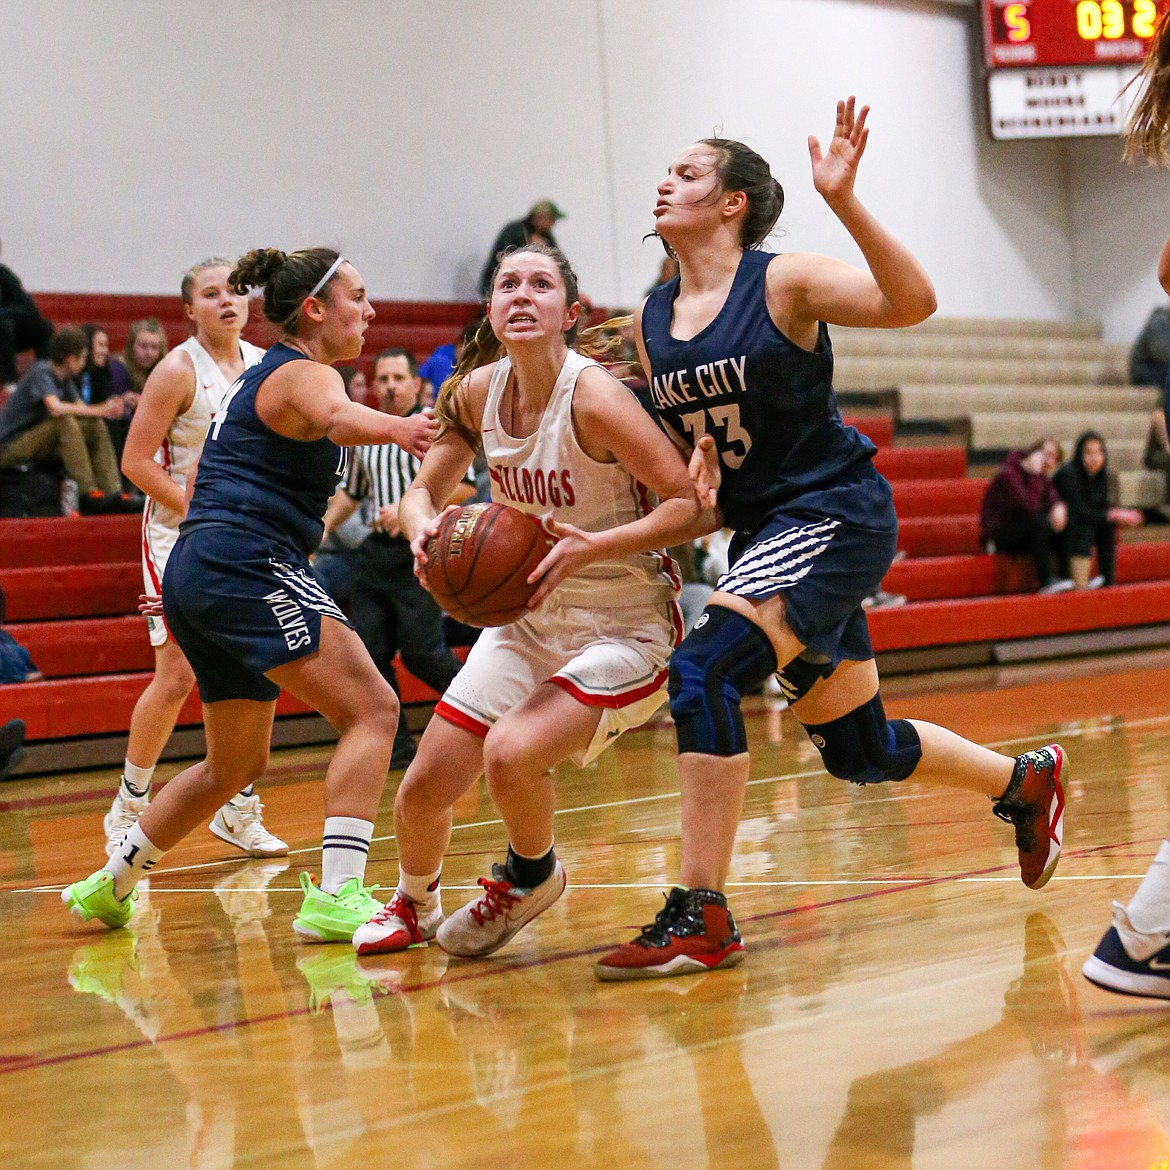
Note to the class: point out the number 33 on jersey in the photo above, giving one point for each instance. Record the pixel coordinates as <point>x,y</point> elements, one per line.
<point>768,404</point>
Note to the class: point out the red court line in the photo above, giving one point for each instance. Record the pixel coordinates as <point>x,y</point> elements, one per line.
<point>21,1064</point>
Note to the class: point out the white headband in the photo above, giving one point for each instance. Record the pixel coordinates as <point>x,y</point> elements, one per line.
<point>328,273</point>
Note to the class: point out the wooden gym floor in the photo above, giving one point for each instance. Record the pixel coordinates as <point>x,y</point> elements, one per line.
<point>905,1002</point>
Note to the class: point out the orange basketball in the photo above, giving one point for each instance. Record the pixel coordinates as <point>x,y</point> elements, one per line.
<point>478,563</point>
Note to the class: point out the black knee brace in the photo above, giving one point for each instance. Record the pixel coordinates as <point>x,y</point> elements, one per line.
<point>865,747</point>
<point>724,655</point>
<point>800,675</point>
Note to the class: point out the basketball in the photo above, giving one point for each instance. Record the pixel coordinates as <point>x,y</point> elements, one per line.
<point>478,563</point>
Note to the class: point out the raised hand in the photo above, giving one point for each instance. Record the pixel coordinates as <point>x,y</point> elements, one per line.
<point>835,172</point>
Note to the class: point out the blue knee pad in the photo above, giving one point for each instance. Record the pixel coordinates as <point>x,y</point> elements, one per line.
<point>866,747</point>
<point>723,656</point>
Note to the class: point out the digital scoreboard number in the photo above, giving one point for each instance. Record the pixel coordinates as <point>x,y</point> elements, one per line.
<point>1026,34</point>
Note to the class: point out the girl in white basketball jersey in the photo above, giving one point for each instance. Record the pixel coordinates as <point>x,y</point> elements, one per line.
<point>567,441</point>
<point>166,436</point>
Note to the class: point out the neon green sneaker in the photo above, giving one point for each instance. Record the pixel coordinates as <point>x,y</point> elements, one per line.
<point>334,917</point>
<point>94,898</point>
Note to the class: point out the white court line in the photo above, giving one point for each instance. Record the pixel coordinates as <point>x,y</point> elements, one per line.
<point>1072,733</point>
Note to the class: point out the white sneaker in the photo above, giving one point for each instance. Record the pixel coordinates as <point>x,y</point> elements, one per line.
<point>1060,585</point>
<point>396,926</point>
<point>486,924</point>
<point>1131,961</point>
<point>121,818</point>
<point>1095,582</point>
<point>239,824</point>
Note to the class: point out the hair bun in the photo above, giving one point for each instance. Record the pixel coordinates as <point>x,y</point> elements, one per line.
<point>256,268</point>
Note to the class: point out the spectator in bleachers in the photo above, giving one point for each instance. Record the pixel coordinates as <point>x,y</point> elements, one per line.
<point>1150,355</point>
<point>45,421</point>
<point>357,385</point>
<point>535,228</point>
<point>16,664</point>
<point>21,326</point>
<point>96,384</point>
<point>1021,512</point>
<point>146,346</point>
<point>440,365</point>
<point>1083,484</point>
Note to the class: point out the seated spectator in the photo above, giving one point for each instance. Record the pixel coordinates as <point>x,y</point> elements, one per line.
<point>357,385</point>
<point>45,421</point>
<point>96,384</point>
<point>146,346</point>
<point>16,664</point>
<point>1083,484</point>
<point>1157,457</point>
<point>21,326</point>
<point>441,364</point>
<point>1150,355</point>
<point>535,227</point>
<point>1021,512</point>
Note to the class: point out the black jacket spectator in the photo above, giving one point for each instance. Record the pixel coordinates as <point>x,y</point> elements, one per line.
<point>535,226</point>
<point>1083,484</point>
<point>21,325</point>
<point>1150,355</point>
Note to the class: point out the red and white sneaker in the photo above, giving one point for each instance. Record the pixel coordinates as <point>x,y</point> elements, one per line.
<point>1034,804</point>
<point>397,926</point>
<point>692,933</point>
<point>483,926</point>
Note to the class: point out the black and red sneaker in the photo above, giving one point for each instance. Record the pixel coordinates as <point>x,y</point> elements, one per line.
<point>692,933</point>
<point>1034,805</point>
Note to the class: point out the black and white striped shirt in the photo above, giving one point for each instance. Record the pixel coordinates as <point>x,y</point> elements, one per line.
<point>380,471</point>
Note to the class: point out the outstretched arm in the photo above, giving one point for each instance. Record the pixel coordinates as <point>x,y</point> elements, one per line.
<point>804,288</point>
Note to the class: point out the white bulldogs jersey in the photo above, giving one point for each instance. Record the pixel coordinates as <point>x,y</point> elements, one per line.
<point>184,438</point>
<point>548,474</point>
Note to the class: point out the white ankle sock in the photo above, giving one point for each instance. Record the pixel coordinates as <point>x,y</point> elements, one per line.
<point>133,860</point>
<point>1149,909</point>
<point>422,889</point>
<point>344,849</point>
<point>135,781</point>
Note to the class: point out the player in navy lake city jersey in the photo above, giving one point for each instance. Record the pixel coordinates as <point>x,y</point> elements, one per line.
<point>739,364</point>
<point>1133,956</point>
<point>245,610</point>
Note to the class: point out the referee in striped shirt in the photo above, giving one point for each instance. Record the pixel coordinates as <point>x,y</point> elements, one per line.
<point>392,612</point>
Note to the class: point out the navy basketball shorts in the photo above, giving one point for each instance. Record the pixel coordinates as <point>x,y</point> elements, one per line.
<point>238,605</point>
<point>826,551</point>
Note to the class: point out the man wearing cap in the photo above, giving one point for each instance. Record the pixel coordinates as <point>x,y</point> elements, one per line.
<point>534,228</point>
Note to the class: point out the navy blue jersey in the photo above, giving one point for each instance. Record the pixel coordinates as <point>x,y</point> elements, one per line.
<point>253,478</point>
<point>768,404</point>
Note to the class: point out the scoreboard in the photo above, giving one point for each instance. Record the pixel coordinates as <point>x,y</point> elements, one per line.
<point>1057,68</point>
<point>1029,33</point>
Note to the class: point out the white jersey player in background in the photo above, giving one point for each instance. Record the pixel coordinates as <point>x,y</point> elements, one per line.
<point>173,418</point>
<point>566,441</point>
